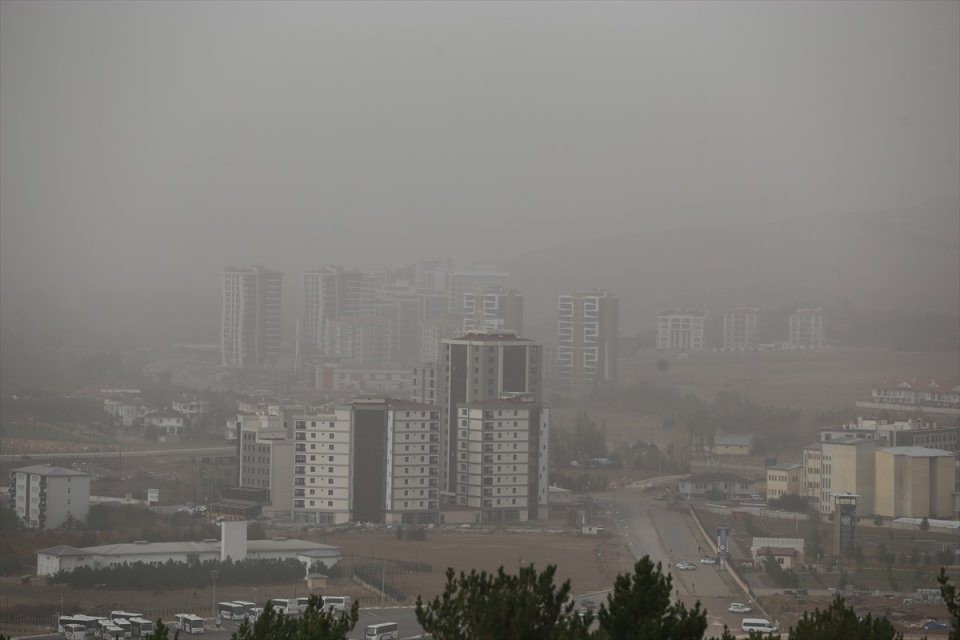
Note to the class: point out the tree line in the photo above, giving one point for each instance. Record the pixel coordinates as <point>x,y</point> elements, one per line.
<point>183,575</point>
<point>529,604</point>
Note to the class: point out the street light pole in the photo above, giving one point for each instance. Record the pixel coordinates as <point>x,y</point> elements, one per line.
<point>216,615</point>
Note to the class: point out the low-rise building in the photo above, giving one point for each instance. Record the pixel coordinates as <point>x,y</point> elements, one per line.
<point>848,466</point>
<point>788,552</point>
<point>915,482</point>
<point>728,444</point>
<point>812,462</point>
<point>805,330</point>
<point>46,497</point>
<point>915,396</point>
<point>784,479</point>
<point>167,425</point>
<point>724,485</point>
<point>67,558</point>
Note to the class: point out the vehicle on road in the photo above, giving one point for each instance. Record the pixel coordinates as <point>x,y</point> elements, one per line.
<point>686,566</point>
<point>708,560</point>
<point>738,607</point>
<point>757,624</point>
<point>382,631</point>
<point>935,625</point>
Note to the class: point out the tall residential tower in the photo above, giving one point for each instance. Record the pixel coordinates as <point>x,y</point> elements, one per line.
<point>250,318</point>
<point>588,335</point>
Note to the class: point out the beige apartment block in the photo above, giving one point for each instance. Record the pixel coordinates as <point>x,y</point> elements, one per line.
<point>848,466</point>
<point>915,482</point>
<point>784,479</point>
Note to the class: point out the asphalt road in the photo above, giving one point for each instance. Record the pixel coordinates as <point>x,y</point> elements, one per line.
<point>668,537</point>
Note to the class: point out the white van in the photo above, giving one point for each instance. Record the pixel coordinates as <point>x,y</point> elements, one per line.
<point>382,631</point>
<point>757,624</point>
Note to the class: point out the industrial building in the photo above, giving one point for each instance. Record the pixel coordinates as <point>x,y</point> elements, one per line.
<point>915,482</point>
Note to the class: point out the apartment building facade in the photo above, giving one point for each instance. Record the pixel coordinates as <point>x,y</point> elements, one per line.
<point>494,309</point>
<point>588,335</point>
<point>502,459</point>
<point>478,367</point>
<point>47,497</point>
<point>740,328</point>
<point>322,467</point>
<point>784,479</point>
<point>250,316</point>
<point>805,329</point>
<point>681,329</point>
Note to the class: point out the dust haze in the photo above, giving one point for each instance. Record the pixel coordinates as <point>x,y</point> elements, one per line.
<point>147,145</point>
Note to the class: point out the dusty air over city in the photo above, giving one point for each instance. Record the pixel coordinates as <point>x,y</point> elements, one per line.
<point>480,320</point>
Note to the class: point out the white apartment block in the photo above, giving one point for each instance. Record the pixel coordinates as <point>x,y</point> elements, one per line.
<point>250,316</point>
<point>681,329</point>
<point>806,329</point>
<point>322,462</point>
<point>370,461</point>
<point>433,332</point>
<point>502,459</point>
<point>45,497</point>
<point>588,333</point>
<point>740,328</point>
<point>331,293</point>
<point>493,310</point>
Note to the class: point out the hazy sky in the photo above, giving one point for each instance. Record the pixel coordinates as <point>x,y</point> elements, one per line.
<point>146,145</point>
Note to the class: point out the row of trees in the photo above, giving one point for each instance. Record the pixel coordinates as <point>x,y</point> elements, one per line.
<point>177,574</point>
<point>502,606</point>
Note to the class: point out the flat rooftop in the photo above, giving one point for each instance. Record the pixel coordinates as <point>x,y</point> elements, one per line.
<point>918,452</point>
<point>50,470</point>
<point>149,548</point>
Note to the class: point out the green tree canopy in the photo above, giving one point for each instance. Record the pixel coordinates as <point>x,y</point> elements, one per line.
<point>640,608</point>
<point>316,623</point>
<point>840,622</point>
<point>486,606</point>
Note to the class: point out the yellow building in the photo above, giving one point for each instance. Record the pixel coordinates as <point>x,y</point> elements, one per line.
<point>848,466</point>
<point>812,455</point>
<point>915,482</point>
<point>784,479</point>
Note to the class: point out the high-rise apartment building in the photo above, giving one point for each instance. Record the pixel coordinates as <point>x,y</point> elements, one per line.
<point>265,460</point>
<point>502,459</point>
<point>46,497</point>
<point>472,279</point>
<point>361,340</point>
<point>433,332</point>
<point>494,309</point>
<point>588,334</point>
<point>331,293</point>
<point>250,318</point>
<point>322,462</point>
<point>681,329</point>
<point>370,461</point>
<point>485,367</point>
<point>427,384</point>
<point>806,330</point>
<point>740,328</point>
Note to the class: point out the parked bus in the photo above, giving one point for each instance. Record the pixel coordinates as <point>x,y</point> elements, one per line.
<point>124,625</point>
<point>302,604</point>
<point>336,604</point>
<point>230,610</point>
<point>110,631</point>
<point>141,627</point>
<point>63,621</point>
<point>74,631</point>
<point>382,631</point>
<point>757,624</point>
<point>190,623</point>
<point>248,608</point>
<point>286,606</point>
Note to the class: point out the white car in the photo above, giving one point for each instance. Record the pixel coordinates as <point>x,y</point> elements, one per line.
<point>686,566</point>
<point>737,607</point>
<point>708,560</point>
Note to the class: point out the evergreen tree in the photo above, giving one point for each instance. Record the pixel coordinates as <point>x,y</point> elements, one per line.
<point>952,600</point>
<point>639,608</point>
<point>162,632</point>
<point>840,622</point>
<point>484,606</point>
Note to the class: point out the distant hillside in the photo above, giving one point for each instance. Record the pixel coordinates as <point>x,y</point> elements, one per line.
<point>906,260</point>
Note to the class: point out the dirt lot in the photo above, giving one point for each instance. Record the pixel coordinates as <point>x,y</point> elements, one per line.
<point>589,562</point>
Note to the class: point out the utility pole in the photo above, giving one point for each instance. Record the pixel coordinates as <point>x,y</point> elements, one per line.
<point>216,614</point>
<point>383,580</point>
